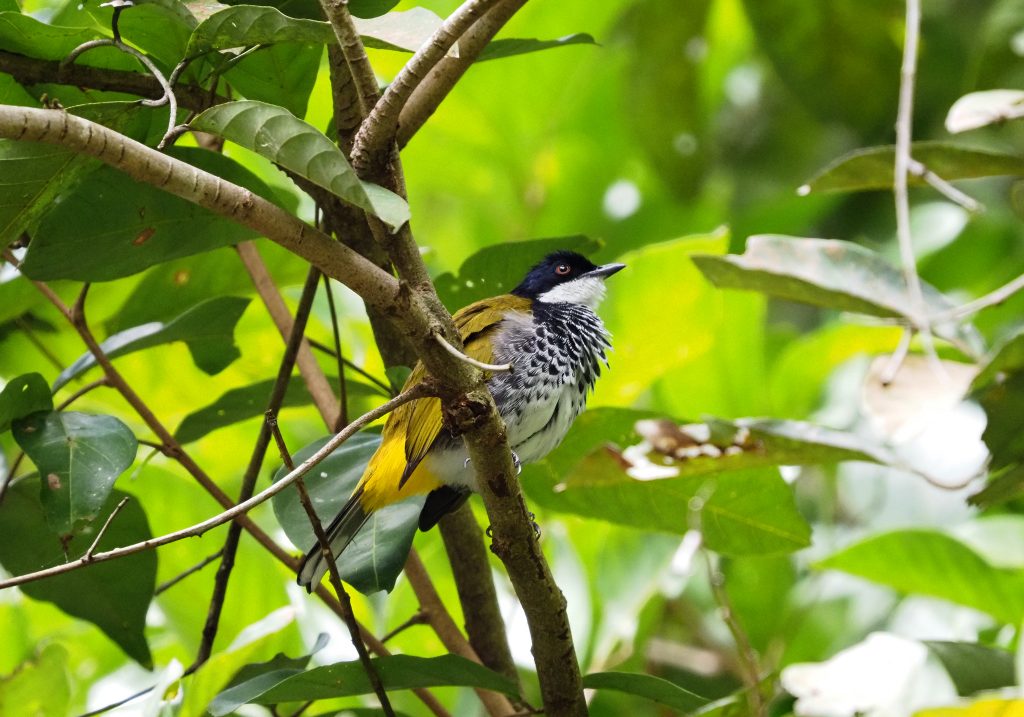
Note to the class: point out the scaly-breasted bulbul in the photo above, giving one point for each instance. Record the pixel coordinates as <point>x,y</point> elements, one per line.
<point>547,330</point>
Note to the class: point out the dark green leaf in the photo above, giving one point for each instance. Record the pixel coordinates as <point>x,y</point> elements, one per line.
<point>250,401</point>
<point>973,667</point>
<point>931,563</point>
<point>999,388</point>
<point>496,269</point>
<point>1003,486</point>
<point>373,561</point>
<point>370,8</point>
<point>397,672</point>
<point>872,168</point>
<point>27,36</point>
<point>207,329</point>
<point>160,29</point>
<point>39,686</point>
<point>23,395</point>
<point>79,456</point>
<point>647,686</point>
<point>283,74</point>
<point>510,46</point>
<point>286,140</point>
<point>844,45</point>
<point>112,595</point>
<point>749,511</point>
<point>113,226</point>
<point>825,272</point>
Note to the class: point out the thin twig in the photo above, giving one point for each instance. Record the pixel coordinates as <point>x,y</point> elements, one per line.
<point>944,188</point>
<point>385,388</point>
<point>10,474</point>
<point>415,392</point>
<point>895,362</point>
<point>993,298</point>
<point>418,618</point>
<point>496,368</point>
<point>99,536</point>
<point>336,331</point>
<point>168,584</point>
<point>901,170</point>
<point>81,392</point>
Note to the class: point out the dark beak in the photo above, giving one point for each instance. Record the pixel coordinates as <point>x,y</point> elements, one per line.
<point>605,270</point>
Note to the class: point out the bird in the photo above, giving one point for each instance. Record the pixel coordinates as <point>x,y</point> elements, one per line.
<point>548,332</point>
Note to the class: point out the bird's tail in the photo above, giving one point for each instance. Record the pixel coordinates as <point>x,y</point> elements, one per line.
<point>339,533</point>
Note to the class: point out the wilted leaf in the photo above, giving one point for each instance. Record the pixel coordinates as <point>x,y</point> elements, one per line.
<point>373,561</point>
<point>973,667</point>
<point>980,109</point>
<point>646,686</point>
<point>113,226</point>
<point>397,672</point>
<point>284,139</point>
<point>930,563</point>
<point>498,268</point>
<point>872,168</point>
<point>40,686</point>
<point>250,401</point>
<point>23,395</point>
<point>207,329</point>
<point>112,595</point>
<point>79,456</point>
<point>511,46</point>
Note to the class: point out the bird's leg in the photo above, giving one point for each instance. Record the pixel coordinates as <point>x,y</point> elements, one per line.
<point>515,461</point>
<point>533,522</point>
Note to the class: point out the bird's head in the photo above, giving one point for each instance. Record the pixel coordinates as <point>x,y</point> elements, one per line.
<point>566,277</point>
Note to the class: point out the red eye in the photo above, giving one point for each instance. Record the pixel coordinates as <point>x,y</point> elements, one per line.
<point>563,270</point>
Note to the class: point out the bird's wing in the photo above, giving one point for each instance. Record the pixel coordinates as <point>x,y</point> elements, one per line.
<point>422,419</point>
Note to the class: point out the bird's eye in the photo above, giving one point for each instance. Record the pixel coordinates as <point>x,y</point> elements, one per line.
<point>562,270</point>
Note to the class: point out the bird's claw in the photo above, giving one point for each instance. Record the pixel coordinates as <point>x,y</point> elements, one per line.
<point>533,523</point>
<point>515,461</point>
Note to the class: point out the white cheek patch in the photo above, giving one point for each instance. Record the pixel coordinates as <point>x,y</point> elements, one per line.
<point>587,290</point>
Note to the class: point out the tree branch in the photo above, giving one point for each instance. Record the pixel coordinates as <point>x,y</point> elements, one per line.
<point>352,50</point>
<point>375,136</point>
<point>235,511</point>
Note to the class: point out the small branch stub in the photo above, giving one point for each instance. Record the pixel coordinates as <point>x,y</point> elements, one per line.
<point>494,368</point>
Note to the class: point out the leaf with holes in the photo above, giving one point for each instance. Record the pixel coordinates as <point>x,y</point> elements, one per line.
<point>79,456</point>
<point>23,395</point>
<point>276,134</point>
<point>373,561</point>
<point>207,329</point>
<point>113,595</point>
<point>871,168</point>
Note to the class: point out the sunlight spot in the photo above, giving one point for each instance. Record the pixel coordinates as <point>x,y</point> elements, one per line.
<point>621,200</point>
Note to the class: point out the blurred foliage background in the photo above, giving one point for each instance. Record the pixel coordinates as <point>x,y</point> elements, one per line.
<point>686,129</point>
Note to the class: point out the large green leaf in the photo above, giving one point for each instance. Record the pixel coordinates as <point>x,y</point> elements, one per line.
<point>747,510</point>
<point>999,389</point>
<point>397,672</point>
<point>511,46</point>
<point>207,329</point>
<point>872,168</point>
<point>27,36</point>
<point>250,401</point>
<point>843,45</point>
<point>39,686</point>
<point>79,456</point>
<point>113,226</point>
<point>283,73</point>
<point>298,146</point>
<point>653,688</point>
<point>973,667</point>
<point>373,561</point>
<point>496,269</point>
<point>931,563</point>
<point>160,29</point>
<point>23,395</point>
<point>112,595</point>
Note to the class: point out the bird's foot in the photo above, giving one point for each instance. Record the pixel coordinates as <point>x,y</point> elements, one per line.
<point>515,461</point>
<point>533,524</point>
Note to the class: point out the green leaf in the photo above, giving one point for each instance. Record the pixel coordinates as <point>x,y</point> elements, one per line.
<point>160,29</point>
<point>872,168</point>
<point>496,269</point>
<point>282,138</point>
<point>79,456</point>
<point>112,595</point>
<point>1003,486</point>
<point>406,31</point>
<point>207,329</point>
<point>250,401</point>
<point>999,388</point>
<point>748,511</point>
<point>831,273</point>
<point>40,686</point>
<point>844,45</point>
<point>283,74</point>
<point>931,563</point>
<point>27,36</point>
<point>23,395</point>
<point>511,46</point>
<point>397,672</point>
<point>653,688</point>
<point>113,226</point>
<point>373,561</point>
<point>973,667</point>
